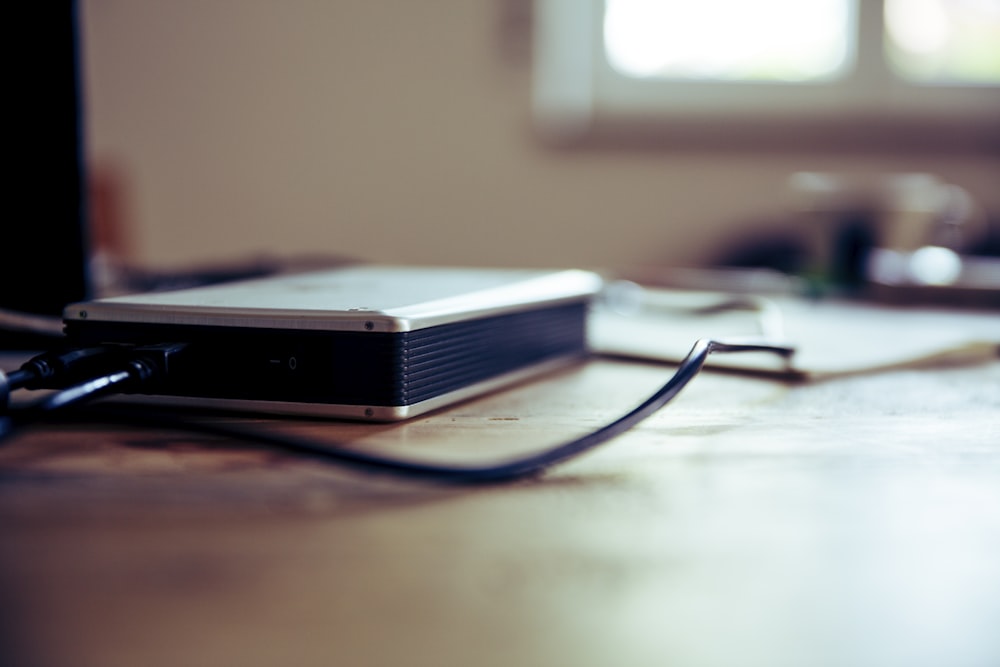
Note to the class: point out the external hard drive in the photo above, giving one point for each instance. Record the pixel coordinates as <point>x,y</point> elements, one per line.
<point>368,342</point>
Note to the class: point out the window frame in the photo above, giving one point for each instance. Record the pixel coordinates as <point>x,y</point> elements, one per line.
<point>578,97</point>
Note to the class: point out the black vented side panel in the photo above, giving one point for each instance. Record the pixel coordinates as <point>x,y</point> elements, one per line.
<point>442,359</point>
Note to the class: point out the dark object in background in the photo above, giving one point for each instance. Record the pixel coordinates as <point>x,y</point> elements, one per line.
<point>852,241</point>
<point>44,234</point>
<point>768,246</point>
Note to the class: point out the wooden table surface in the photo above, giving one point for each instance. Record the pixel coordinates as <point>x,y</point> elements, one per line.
<point>849,522</point>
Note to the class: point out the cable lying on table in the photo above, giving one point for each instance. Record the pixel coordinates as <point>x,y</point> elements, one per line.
<point>140,366</point>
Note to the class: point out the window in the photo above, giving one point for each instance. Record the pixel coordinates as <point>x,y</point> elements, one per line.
<point>878,71</point>
<point>687,40</point>
<point>944,41</point>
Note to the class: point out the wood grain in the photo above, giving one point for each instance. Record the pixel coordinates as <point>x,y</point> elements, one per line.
<point>848,522</point>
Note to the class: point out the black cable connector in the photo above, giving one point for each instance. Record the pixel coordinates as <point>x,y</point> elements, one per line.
<point>132,368</point>
<point>113,369</point>
<point>53,369</point>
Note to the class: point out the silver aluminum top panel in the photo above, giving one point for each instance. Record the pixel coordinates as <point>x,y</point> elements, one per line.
<point>358,298</point>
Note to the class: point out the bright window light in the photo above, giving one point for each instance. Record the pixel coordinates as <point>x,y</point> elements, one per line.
<point>944,41</point>
<point>870,74</point>
<point>730,40</point>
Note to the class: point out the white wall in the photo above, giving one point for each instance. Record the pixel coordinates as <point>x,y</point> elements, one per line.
<point>394,131</point>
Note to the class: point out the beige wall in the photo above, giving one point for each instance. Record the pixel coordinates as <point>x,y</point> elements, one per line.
<point>393,131</point>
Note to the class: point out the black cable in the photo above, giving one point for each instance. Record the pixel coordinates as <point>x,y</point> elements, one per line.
<point>110,383</point>
<point>104,385</point>
<point>135,367</point>
<point>508,470</point>
<point>4,392</point>
<point>51,369</point>
<point>54,368</point>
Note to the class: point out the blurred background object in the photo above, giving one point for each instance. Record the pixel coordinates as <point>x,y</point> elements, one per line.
<point>407,133</point>
<point>43,237</point>
<point>900,237</point>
